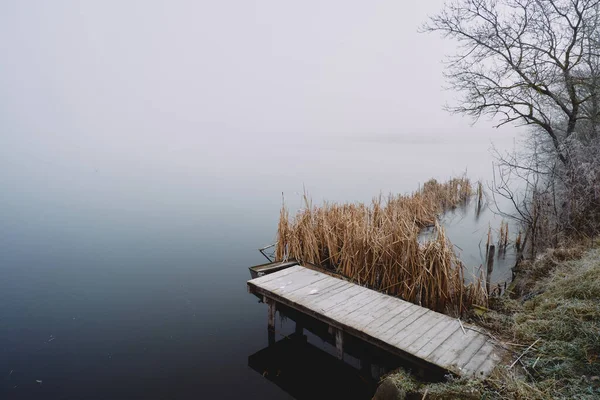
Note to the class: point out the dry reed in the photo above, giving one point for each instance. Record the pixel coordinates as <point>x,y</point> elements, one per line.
<point>479,197</point>
<point>518,241</point>
<point>503,236</point>
<point>378,245</point>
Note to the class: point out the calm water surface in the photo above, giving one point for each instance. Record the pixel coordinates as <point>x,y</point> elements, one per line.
<point>123,281</point>
<point>144,150</point>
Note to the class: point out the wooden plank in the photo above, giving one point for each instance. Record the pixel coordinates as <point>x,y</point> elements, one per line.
<point>469,368</point>
<point>417,330</point>
<point>294,277</point>
<point>405,325</point>
<point>277,275</point>
<point>448,350</point>
<point>406,328</point>
<point>277,279</point>
<point>326,294</point>
<point>330,302</point>
<point>387,322</point>
<point>314,304</point>
<point>316,287</point>
<point>316,314</point>
<point>486,368</point>
<point>401,322</point>
<point>461,354</point>
<point>434,338</point>
<point>364,314</point>
<point>362,299</point>
<point>402,310</point>
<point>469,352</point>
<point>388,309</point>
<point>263,269</point>
<point>362,318</point>
<point>298,282</point>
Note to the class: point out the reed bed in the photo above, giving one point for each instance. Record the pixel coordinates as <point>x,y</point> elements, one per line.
<point>503,236</point>
<point>377,245</point>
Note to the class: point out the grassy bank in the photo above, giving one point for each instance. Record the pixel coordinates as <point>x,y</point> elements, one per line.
<point>553,312</point>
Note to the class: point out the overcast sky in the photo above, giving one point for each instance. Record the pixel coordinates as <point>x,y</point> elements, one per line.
<point>202,88</point>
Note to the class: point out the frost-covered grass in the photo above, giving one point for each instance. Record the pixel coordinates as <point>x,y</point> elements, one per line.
<point>557,304</point>
<point>565,316</point>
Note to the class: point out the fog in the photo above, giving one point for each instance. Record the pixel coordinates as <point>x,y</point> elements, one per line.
<point>157,138</point>
<point>142,91</point>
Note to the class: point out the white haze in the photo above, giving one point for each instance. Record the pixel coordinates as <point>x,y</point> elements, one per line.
<point>125,109</point>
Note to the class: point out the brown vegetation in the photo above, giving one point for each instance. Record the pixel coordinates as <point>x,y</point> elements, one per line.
<point>378,245</point>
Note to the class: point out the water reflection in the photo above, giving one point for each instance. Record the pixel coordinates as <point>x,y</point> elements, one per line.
<point>467,230</point>
<point>301,360</point>
<point>306,372</point>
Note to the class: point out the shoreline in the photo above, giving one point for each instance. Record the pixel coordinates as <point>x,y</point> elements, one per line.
<point>550,320</point>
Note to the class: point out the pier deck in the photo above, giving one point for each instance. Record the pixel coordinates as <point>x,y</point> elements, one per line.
<point>397,326</point>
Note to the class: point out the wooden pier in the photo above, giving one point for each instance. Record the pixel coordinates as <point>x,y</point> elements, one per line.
<point>396,326</point>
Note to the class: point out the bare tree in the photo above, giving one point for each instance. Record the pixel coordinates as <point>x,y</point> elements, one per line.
<point>530,62</point>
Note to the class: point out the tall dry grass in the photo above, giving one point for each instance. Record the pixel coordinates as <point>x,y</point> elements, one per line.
<point>377,245</point>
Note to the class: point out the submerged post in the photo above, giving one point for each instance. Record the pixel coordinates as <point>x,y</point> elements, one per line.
<point>490,267</point>
<point>339,343</point>
<point>271,319</point>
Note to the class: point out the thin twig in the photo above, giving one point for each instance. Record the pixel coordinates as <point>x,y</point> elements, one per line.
<point>522,354</point>
<point>461,326</point>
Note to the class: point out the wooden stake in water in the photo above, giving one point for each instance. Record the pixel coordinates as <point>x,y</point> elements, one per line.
<point>490,267</point>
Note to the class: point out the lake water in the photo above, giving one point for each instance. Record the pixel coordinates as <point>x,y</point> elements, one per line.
<point>124,277</point>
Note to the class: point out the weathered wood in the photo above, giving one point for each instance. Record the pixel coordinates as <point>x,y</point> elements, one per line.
<point>486,367</point>
<point>401,322</point>
<point>272,308</point>
<point>278,275</point>
<point>359,301</point>
<point>363,315</point>
<point>316,289</point>
<point>329,303</point>
<point>468,352</point>
<point>443,339</point>
<point>449,349</point>
<point>388,308</point>
<point>264,269</point>
<point>293,282</point>
<point>433,337</point>
<point>490,267</point>
<point>484,353</point>
<point>339,343</point>
<point>407,330</point>
<point>387,322</point>
<point>328,291</point>
<point>417,330</point>
<point>271,337</point>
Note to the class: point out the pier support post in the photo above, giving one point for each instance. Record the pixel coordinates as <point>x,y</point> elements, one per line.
<point>271,337</point>
<point>272,308</point>
<point>271,312</point>
<point>339,343</point>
